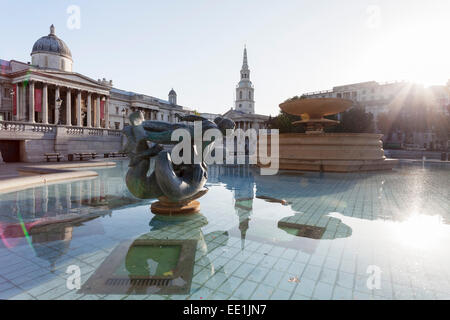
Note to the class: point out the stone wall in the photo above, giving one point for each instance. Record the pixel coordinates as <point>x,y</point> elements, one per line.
<point>37,139</point>
<point>411,154</point>
<point>34,150</point>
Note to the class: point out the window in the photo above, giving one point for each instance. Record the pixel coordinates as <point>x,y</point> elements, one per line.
<point>240,105</point>
<point>117,125</point>
<point>250,95</point>
<point>117,110</point>
<point>63,64</point>
<point>6,93</point>
<point>46,61</point>
<point>240,95</point>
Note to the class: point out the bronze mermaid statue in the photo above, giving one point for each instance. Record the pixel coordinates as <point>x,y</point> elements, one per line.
<point>174,185</point>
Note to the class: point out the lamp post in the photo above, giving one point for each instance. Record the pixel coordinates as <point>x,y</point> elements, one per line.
<point>11,93</point>
<point>104,112</point>
<point>123,118</point>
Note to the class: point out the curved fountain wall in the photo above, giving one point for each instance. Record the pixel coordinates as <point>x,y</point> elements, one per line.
<point>333,152</point>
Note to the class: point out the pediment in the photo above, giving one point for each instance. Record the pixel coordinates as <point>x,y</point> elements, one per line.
<point>74,77</point>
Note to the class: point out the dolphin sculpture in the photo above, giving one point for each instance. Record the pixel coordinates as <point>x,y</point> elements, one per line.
<point>170,183</point>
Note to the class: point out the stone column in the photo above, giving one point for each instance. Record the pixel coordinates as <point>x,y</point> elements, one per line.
<point>89,110</point>
<point>23,102</point>
<point>17,97</point>
<point>79,122</point>
<point>45,104</point>
<point>68,108</point>
<point>31,110</point>
<point>107,113</point>
<point>56,105</point>
<point>97,112</point>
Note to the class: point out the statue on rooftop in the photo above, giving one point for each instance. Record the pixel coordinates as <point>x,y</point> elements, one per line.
<point>176,186</point>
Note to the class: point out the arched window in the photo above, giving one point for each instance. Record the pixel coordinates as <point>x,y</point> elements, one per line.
<point>240,95</point>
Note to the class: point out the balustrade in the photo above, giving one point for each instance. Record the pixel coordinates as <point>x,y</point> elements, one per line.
<point>14,126</point>
<point>26,127</point>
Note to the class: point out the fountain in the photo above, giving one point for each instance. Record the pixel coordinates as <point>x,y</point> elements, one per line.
<point>316,150</point>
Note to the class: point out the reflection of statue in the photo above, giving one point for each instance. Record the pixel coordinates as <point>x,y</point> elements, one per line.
<point>176,186</point>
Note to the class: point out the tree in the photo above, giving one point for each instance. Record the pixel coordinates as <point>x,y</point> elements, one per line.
<point>283,122</point>
<point>355,120</point>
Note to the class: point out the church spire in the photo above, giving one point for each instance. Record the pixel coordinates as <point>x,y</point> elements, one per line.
<point>244,91</point>
<point>245,62</point>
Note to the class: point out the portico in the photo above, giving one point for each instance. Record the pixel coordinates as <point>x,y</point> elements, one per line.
<point>80,104</point>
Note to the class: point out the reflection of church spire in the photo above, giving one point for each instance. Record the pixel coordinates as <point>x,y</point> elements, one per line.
<point>243,208</point>
<point>243,226</point>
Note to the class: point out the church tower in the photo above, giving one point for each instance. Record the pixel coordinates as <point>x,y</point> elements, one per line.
<point>244,90</point>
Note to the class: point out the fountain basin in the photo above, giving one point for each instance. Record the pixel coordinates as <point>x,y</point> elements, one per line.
<point>316,108</point>
<point>331,152</point>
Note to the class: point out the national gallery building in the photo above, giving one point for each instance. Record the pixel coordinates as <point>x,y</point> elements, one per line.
<point>46,107</point>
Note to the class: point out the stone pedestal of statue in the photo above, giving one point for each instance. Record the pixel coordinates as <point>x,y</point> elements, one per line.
<point>165,206</point>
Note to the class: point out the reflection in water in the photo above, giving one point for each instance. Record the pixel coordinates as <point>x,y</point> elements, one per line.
<point>248,186</point>
<point>247,223</point>
<point>420,231</point>
<point>59,234</point>
<point>49,214</point>
<point>58,202</point>
<point>299,230</point>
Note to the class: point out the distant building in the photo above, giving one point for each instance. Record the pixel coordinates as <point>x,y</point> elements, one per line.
<point>373,96</point>
<point>124,102</point>
<point>377,98</point>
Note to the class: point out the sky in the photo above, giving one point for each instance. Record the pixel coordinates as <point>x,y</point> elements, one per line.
<point>196,46</point>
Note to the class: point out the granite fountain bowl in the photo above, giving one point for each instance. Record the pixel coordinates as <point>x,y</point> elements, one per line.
<point>316,108</point>
<point>316,150</point>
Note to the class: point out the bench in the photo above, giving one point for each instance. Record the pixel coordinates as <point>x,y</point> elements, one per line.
<point>115,154</point>
<point>82,156</point>
<point>56,156</point>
